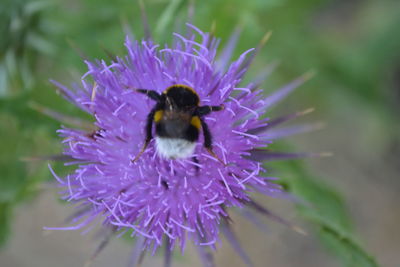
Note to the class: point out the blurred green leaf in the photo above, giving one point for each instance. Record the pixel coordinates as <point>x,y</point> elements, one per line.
<point>344,246</point>
<point>5,219</point>
<point>167,17</point>
<point>321,205</point>
<point>327,211</point>
<point>23,42</point>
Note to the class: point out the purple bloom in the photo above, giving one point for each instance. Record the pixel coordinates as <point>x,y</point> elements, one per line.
<point>155,198</point>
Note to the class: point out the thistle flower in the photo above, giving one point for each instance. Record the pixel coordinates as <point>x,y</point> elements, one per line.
<point>159,200</point>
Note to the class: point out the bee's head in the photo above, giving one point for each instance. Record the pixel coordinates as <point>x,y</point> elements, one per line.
<point>172,106</point>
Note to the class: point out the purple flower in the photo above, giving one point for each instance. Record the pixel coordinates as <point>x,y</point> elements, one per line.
<point>149,195</point>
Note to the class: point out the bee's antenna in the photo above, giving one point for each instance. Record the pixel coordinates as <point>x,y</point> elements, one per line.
<point>169,103</point>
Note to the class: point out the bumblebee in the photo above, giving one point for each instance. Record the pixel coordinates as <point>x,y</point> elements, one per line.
<point>178,119</point>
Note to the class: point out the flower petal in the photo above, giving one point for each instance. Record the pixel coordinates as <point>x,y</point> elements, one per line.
<point>230,236</point>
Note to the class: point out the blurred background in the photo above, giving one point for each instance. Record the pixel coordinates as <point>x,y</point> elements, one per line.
<point>352,45</point>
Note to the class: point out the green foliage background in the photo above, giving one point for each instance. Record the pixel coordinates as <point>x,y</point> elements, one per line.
<point>351,44</point>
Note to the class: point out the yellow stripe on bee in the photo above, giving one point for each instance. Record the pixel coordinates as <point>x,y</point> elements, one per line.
<point>196,122</point>
<point>158,115</point>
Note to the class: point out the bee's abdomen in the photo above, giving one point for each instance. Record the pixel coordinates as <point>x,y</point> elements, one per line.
<point>174,148</point>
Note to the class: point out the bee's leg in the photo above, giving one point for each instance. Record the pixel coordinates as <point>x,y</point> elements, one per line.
<point>195,160</point>
<point>208,141</point>
<point>149,128</point>
<point>204,110</point>
<point>150,93</point>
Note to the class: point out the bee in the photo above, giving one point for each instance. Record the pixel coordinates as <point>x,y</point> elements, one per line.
<point>178,119</point>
